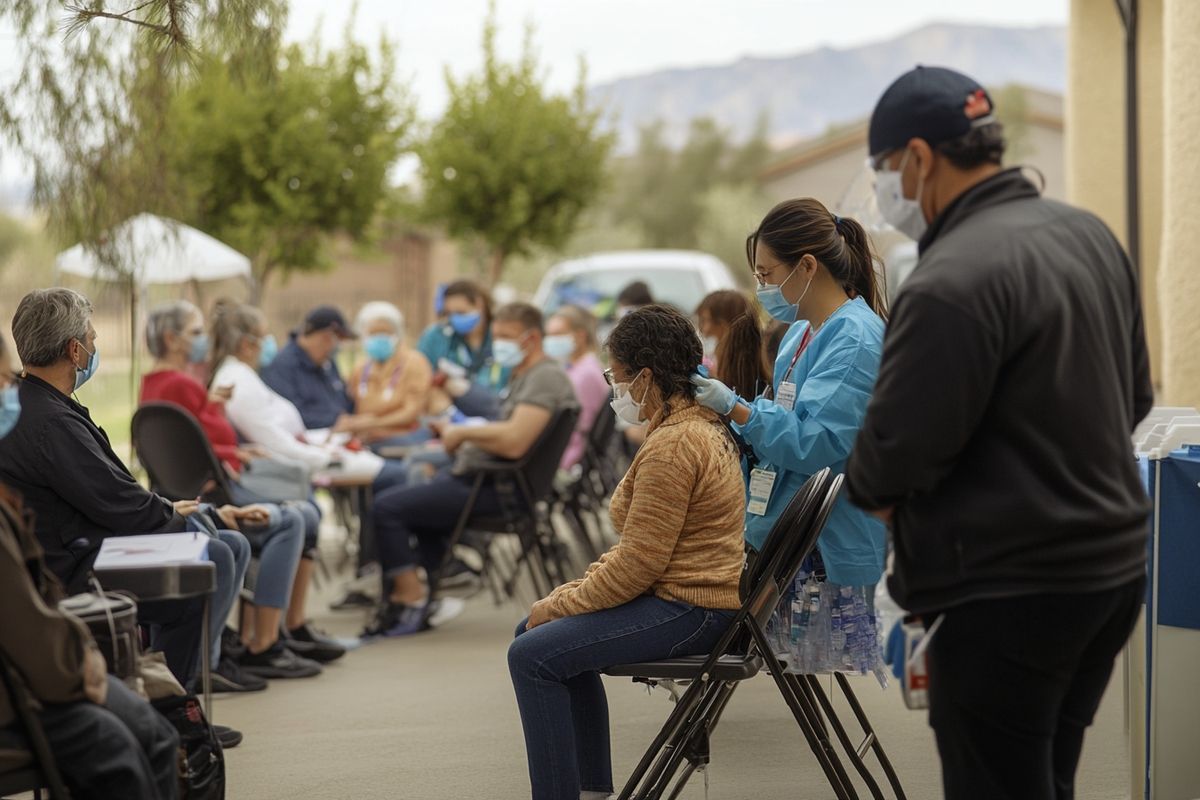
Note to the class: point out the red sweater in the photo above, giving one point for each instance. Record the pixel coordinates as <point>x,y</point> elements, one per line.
<point>173,386</point>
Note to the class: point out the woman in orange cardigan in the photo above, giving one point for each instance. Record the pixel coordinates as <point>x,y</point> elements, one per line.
<point>668,588</point>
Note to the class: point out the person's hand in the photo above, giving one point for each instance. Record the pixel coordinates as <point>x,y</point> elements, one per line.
<point>349,423</point>
<point>437,426</point>
<point>229,517</point>
<point>220,395</point>
<point>95,676</point>
<point>457,387</point>
<point>540,614</point>
<point>251,452</point>
<point>254,515</point>
<point>711,393</point>
<point>185,508</point>
<point>452,437</point>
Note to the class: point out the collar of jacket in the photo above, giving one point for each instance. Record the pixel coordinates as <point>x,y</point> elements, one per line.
<point>682,410</point>
<point>1003,187</point>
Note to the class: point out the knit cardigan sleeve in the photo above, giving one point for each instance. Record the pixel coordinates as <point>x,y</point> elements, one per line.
<point>658,507</point>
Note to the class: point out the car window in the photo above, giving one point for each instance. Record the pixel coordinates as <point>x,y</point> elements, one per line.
<point>597,290</point>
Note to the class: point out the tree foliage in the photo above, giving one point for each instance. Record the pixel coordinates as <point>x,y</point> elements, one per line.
<point>273,162</point>
<point>510,162</point>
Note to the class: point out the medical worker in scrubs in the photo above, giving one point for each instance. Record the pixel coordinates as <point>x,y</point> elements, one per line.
<point>815,272</point>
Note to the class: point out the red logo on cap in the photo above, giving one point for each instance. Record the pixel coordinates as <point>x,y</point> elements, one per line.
<point>977,105</point>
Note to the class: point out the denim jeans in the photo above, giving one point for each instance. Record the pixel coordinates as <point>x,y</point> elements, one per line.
<point>231,555</point>
<point>555,672</point>
<point>278,545</point>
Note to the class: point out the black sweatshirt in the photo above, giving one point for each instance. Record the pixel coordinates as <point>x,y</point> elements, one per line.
<point>1014,371</point>
<point>79,490</point>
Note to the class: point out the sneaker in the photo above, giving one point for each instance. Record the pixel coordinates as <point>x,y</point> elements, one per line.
<point>229,677</point>
<point>459,575</point>
<point>278,662</point>
<point>227,736</point>
<point>444,609</point>
<point>397,619</point>
<point>313,644</point>
<point>231,643</point>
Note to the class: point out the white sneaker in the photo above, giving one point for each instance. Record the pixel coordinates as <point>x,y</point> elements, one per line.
<point>445,609</point>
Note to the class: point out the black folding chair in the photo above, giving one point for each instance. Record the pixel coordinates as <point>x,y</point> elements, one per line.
<point>737,657</point>
<point>714,678</point>
<point>178,457</point>
<point>584,498</point>
<point>529,483</point>
<point>42,772</point>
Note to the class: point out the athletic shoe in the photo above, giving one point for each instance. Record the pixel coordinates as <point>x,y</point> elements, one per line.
<point>445,609</point>
<point>227,736</point>
<point>459,574</point>
<point>278,662</point>
<point>353,599</point>
<point>229,677</point>
<point>396,619</point>
<point>231,643</point>
<point>308,642</point>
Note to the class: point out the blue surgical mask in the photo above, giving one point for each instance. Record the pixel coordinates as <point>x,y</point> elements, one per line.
<point>84,374</point>
<point>465,323</point>
<point>560,347</point>
<point>270,349</point>
<point>10,409</point>
<point>380,347</point>
<point>775,304</point>
<point>199,350</point>
<point>507,352</point>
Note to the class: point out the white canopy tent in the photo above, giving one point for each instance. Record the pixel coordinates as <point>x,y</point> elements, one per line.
<point>147,250</point>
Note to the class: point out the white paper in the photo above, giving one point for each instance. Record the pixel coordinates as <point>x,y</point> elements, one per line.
<point>150,550</point>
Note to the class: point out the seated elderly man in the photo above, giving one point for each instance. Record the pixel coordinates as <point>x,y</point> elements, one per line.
<point>537,390</point>
<point>61,462</point>
<point>108,742</point>
<point>306,373</point>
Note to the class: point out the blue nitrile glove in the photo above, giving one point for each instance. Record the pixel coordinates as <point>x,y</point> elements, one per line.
<point>714,394</point>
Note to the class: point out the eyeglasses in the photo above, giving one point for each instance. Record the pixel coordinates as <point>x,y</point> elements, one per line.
<point>608,377</point>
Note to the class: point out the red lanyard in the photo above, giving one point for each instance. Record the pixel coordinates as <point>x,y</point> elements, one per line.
<point>805,340</point>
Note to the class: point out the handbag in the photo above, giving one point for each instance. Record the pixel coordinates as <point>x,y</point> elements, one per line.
<point>112,620</point>
<point>201,762</point>
<point>273,481</point>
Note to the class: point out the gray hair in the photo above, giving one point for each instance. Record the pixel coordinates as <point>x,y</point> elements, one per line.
<point>45,323</point>
<point>172,317</point>
<point>379,311</point>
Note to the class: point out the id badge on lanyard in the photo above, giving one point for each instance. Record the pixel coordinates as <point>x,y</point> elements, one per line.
<point>762,483</point>
<point>785,396</point>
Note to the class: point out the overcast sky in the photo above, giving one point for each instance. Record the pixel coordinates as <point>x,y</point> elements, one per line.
<point>618,38</point>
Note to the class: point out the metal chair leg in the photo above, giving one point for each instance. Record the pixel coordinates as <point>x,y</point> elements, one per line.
<point>872,741</point>
<point>853,754</point>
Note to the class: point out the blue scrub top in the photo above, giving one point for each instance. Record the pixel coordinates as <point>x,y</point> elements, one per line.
<point>834,378</point>
<point>440,341</point>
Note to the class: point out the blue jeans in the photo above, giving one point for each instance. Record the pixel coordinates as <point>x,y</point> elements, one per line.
<point>231,555</point>
<point>278,545</point>
<point>555,672</point>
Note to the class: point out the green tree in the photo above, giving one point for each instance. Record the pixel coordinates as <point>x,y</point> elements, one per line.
<point>665,192</point>
<point>510,163</point>
<point>273,160</point>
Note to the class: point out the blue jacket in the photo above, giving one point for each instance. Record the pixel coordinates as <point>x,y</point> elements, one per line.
<point>439,341</point>
<point>317,390</point>
<point>834,378</point>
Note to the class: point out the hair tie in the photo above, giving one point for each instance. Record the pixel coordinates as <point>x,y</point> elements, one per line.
<point>836,220</point>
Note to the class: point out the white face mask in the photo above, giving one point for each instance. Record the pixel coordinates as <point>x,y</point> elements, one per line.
<point>710,346</point>
<point>901,213</point>
<point>624,406</point>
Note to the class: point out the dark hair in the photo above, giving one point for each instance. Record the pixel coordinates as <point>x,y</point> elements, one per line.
<point>580,319</point>
<point>528,316</point>
<point>725,305</point>
<point>636,294</point>
<point>662,340</point>
<point>979,146</point>
<point>474,293</point>
<point>739,358</point>
<point>803,226</point>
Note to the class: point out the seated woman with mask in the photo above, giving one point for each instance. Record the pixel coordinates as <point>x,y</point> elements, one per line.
<point>571,340</point>
<point>668,588</point>
<point>391,391</point>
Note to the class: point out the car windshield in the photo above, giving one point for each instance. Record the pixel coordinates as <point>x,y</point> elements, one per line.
<point>597,291</point>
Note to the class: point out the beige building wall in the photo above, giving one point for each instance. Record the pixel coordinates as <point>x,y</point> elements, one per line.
<point>825,179</point>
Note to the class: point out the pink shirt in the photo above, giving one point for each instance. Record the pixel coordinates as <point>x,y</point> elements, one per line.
<point>587,376</point>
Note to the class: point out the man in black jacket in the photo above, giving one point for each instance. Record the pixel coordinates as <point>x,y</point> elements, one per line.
<point>997,442</point>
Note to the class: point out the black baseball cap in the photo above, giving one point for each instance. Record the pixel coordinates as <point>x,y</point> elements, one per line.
<point>931,103</point>
<point>326,317</point>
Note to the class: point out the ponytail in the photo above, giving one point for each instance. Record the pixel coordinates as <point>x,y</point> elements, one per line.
<point>864,270</point>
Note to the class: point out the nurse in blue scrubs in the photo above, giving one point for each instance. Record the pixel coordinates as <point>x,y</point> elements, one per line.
<point>816,272</point>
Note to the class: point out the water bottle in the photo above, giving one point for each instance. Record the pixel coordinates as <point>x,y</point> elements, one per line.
<point>837,636</point>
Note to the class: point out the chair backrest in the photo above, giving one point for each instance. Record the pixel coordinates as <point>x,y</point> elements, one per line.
<point>603,427</point>
<point>540,465</point>
<point>785,530</point>
<point>800,546</point>
<point>24,705</point>
<point>177,455</point>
